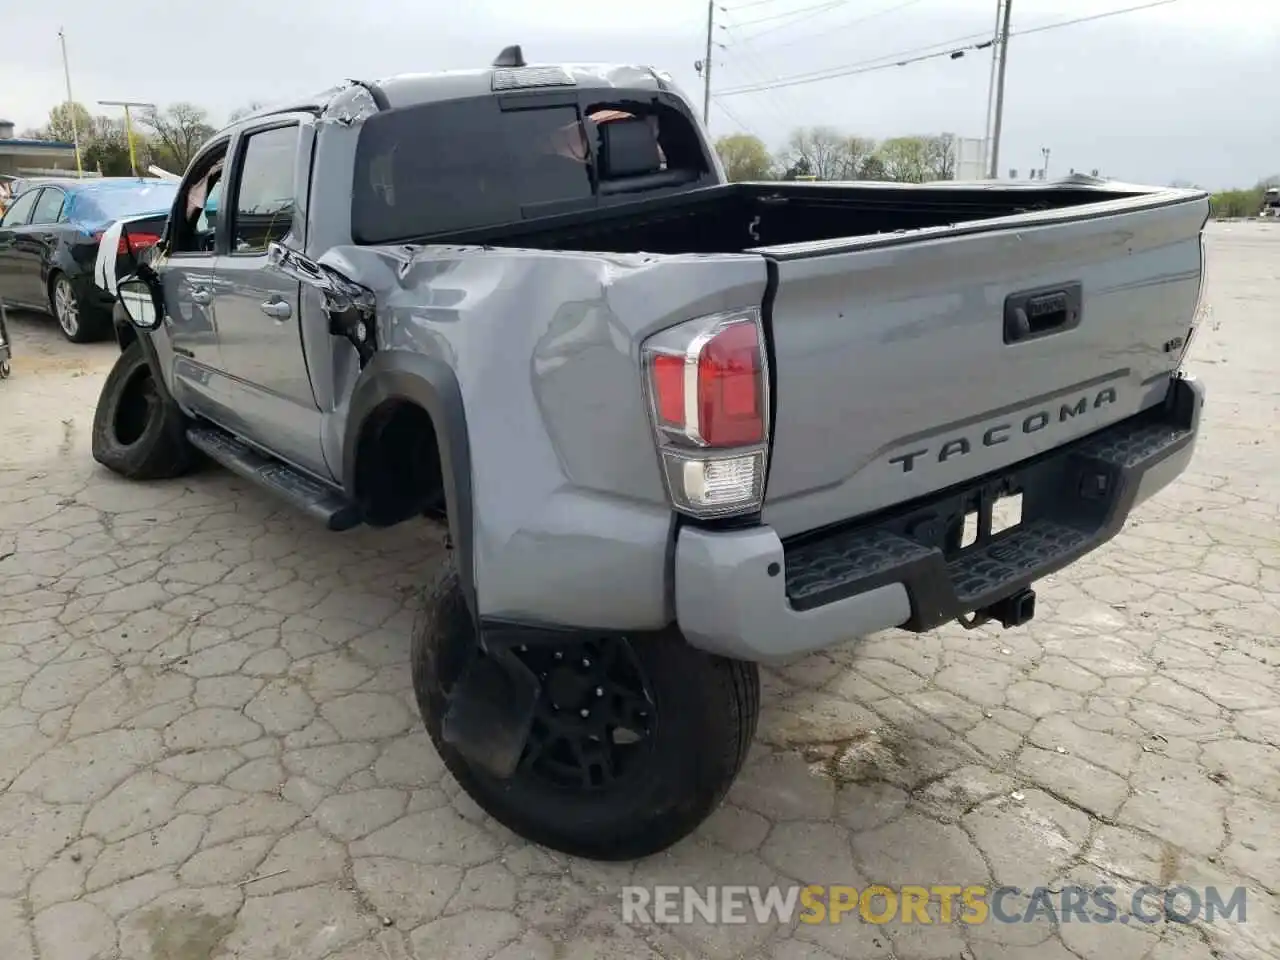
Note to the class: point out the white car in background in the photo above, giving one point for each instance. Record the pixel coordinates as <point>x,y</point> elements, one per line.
<point>105,270</point>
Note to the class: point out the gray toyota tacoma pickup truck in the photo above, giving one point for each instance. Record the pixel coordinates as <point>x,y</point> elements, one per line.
<point>675,426</point>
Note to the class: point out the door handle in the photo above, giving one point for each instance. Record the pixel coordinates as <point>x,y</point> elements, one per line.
<point>201,295</point>
<point>277,309</point>
<point>1040,313</point>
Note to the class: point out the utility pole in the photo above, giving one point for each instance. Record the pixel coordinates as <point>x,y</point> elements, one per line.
<point>128,125</point>
<point>71,103</point>
<point>1044,171</point>
<point>1004,62</point>
<point>991,89</point>
<point>706,65</point>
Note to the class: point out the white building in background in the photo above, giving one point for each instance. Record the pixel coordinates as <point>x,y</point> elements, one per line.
<point>970,158</point>
<point>34,158</point>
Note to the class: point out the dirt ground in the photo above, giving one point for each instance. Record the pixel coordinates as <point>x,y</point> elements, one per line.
<point>209,746</point>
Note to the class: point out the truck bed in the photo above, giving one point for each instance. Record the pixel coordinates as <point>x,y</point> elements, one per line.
<point>923,336</point>
<point>732,218</point>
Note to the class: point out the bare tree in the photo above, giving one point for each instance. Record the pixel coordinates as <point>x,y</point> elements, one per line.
<point>857,151</point>
<point>904,159</point>
<point>178,132</point>
<point>873,168</point>
<point>940,156</point>
<point>822,151</point>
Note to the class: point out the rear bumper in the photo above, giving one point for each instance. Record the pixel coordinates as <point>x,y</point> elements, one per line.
<point>747,594</point>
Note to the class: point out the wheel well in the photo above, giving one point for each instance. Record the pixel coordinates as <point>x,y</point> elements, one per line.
<point>48,284</point>
<point>126,335</point>
<point>398,472</point>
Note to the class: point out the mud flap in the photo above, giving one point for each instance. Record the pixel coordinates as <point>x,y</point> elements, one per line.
<point>490,712</point>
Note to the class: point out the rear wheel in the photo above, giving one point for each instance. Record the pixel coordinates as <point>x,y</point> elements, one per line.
<point>79,320</point>
<point>137,432</point>
<point>634,742</point>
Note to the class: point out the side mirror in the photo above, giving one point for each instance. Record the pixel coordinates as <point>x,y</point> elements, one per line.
<point>139,302</point>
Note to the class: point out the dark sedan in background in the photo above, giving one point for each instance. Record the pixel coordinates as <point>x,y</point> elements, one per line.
<point>49,237</point>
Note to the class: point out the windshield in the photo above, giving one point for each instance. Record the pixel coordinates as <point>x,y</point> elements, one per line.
<point>117,202</point>
<point>458,165</point>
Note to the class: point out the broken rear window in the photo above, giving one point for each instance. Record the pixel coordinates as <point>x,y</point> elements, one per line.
<point>461,164</point>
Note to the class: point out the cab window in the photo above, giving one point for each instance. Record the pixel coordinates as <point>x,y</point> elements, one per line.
<point>49,206</point>
<point>264,203</point>
<point>20,210</point>
<point>193,232</point>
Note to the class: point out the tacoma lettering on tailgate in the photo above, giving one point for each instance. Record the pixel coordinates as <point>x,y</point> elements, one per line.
<point>1032,422</point>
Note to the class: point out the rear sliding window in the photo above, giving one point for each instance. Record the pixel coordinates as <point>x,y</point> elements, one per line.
<point>460,165</point>
<point>464,163</point>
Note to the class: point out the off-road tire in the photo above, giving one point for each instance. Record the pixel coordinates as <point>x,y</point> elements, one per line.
<point>706,709</point>
<point>138,432</point>
<point>92,323</point>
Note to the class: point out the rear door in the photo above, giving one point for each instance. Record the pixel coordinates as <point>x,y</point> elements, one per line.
<point>259,333</point>
<point>906,364</point>
<point>41,239</point>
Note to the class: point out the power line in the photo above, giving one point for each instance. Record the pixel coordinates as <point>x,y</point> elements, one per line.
<point>735,118</point>
<point>747,6</point>
<point>779,110</point>
<point>814,9</point>
<point>774,45</point>
<point>1096,16</point>
<point>742,56</point>
<point>811,14</point>
<point>878,63</point>
<point>897,59</point>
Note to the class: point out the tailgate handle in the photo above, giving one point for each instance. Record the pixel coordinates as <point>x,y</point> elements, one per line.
<point>1040,313</point>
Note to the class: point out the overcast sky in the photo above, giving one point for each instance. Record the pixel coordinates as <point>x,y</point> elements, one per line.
<point>1185,91</point>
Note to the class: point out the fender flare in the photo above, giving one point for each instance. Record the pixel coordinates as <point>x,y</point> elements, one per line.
<point>432,385</point>
<point>126,333</point>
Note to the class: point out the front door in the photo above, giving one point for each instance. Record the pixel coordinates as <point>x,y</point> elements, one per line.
<point>17,285</point>
<point>259,331</point>
<point>187,272</point>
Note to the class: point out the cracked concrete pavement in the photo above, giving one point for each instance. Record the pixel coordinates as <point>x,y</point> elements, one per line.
<point>209,745</point>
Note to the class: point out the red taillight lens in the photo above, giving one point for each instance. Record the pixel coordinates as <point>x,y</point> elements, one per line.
<point>731,388</point>
<point>668,389</point>
<point>708,379</point>
<point>135,242</point>
<point>722,369</point>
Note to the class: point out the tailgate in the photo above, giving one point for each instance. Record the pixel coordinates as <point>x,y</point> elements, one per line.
<point>904,364</point>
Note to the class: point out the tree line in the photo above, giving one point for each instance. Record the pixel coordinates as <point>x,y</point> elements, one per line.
<point>1241,203</point>
<point>167,137</point>
<point>824,153</point>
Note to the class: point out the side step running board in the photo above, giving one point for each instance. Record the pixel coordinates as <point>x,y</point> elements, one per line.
<point>313,498</point>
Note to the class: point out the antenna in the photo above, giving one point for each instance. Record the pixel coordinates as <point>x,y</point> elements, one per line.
<point>511,56</point>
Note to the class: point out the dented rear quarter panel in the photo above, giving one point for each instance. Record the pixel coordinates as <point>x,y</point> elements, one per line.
<point>571,524</point>
<point>570,520</point>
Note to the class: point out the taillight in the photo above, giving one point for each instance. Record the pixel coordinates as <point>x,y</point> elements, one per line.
<point>135,242</point>
<point>709,399</point>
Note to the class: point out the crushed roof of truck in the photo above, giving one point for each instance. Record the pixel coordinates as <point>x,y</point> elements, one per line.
<point>409,89</point>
